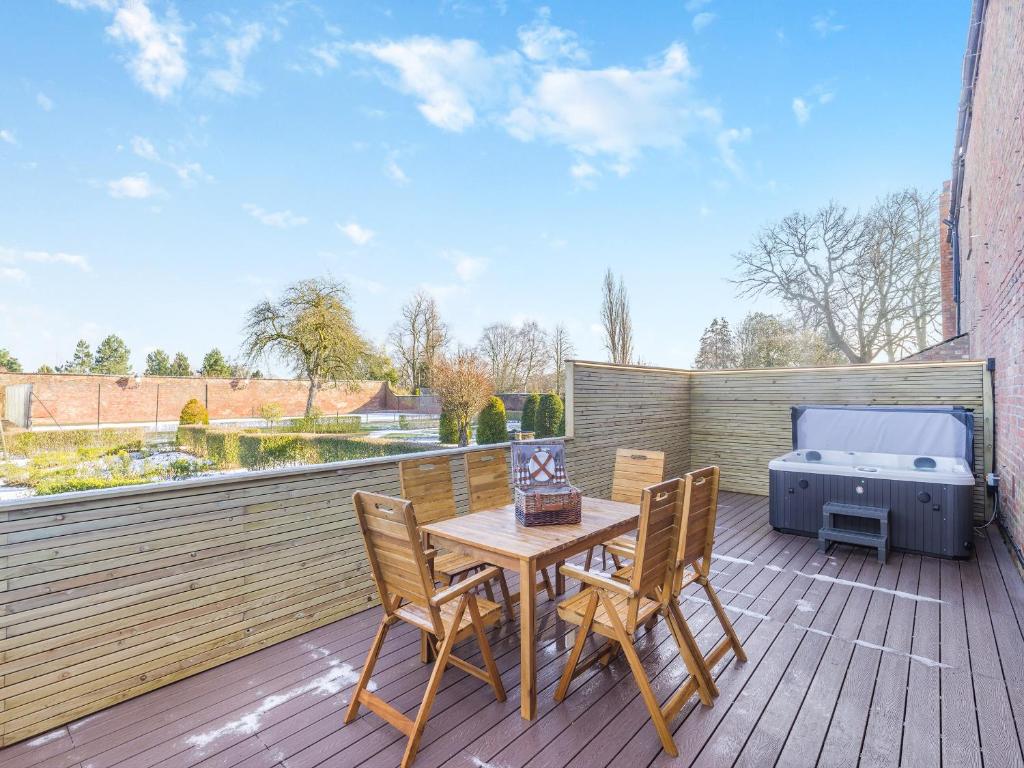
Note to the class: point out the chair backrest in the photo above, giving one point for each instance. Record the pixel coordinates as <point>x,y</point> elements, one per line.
<point>700,503</point>
<point>634,471</point>
<point>661,511</point>
<point>487,478</point>
<point>395,552</point>
<point>427,483</point>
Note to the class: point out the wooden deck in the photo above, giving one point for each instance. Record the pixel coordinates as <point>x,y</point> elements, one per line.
<point>919,662</point>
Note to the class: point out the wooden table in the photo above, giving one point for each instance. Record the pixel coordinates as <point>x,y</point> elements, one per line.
<point>494,537</point>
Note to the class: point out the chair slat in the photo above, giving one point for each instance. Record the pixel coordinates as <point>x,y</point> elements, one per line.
<point>488,478</point>
<point>635,470</point>
<point>427,483</point>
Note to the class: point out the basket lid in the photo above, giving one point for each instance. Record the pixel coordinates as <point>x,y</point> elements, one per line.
<point>539,465</point>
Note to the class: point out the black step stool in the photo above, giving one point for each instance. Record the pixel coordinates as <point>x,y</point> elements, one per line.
<point>828,532</point>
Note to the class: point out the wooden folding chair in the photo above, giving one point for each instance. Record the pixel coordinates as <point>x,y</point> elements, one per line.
<point>615,609</point>
<point>487,476</point>
<point>427,483</point>
<point>634,470</point>
<point>407,594</point>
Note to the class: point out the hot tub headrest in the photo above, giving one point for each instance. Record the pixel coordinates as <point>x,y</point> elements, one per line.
<point>904,429</point>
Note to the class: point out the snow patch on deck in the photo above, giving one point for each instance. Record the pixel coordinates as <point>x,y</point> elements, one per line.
<point>859,585</point>
<point>38,741</point>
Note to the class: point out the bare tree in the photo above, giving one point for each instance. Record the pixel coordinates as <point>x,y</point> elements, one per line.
<point>417,339</point>
<point>561,350</point>
<point>463,388</point>
<point>867,282</point>
<point>517,357</point>
<point>616,320</point>
<point>310,327</point>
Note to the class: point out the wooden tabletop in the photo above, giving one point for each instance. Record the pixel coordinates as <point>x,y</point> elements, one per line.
<point>496,530</point>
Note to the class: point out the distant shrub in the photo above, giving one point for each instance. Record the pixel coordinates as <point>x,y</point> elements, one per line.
<point>194,412</point>
<point>448,430</point>
<point>549,415</point>
<point>57,485</point>
<point>67,440</point>
<point>192,439</point>
<point>222,447</point>
<point>561,423</point>
<point>271,413</point>
<point>182,469</point>
<point>528,422</point>
<point>264,451</point>
<point>491,425</point>
<point>318,424</point>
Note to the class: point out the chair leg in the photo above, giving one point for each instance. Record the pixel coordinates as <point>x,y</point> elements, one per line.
<point>489,591</point>
<point>547,584</point>
<point>485,649</point>
<point>610,653</point>
<point>691,654</point>
<point>364,676</point>
<point>586,564</point>
<point>426,649</point>
<point>734,640</point>
<point>641,679</point>
<point>506,597</point>
<point>432,685</point>
<point>615,561</point>
<point>577,648</point>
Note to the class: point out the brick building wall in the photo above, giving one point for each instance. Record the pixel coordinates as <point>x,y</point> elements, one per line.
<point>990,224</point>
<point>955,348</point>
<point>86,399</point>
<point>946,278</point>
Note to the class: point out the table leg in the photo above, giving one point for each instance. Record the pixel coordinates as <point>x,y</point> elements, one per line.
<point>559,578</point>
<point>528,640</point>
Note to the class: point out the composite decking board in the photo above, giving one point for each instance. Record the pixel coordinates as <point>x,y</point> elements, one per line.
<point>605,722</point>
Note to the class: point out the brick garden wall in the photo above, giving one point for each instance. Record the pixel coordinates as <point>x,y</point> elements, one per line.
<point>991,225</point>
<point>75,399</point>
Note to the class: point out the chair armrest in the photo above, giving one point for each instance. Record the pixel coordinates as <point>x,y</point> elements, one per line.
<point>430,554</point>
<point>598,580</point>
<point>450,593</point>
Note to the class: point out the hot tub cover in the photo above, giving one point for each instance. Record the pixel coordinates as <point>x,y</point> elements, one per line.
<point>904,429</point>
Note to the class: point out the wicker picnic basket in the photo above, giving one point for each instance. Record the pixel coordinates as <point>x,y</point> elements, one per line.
<point>543,494</point>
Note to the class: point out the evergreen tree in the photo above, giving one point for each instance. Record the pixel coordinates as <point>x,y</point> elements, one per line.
<point>9,362</point>
<point>215,366</point>
<point>112,357</point>
<point>44,368</point>
<point>529,419</point>
<point>81,361</point>
<point>180,366</point>
<point>549,415</point>
<point>717,347</point>
<point>491,424</point>
<point>158,363</point>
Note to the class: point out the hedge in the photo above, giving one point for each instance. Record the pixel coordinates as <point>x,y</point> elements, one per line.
<point>263,451</point>
<point>32,443</point>
<point>325,425</point>
<point>222,448</point>
<point>491,425</point>
<point>549,415</point>
<point>528,421</point>
<point>70,484</point>
<point>192,438</point>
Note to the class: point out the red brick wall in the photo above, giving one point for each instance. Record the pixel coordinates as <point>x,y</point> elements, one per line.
<point>949,329</point>
<point>991,228</point>
<point>75,399</point>
<point>956,348</point>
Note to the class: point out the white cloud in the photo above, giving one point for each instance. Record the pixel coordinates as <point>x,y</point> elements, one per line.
<point>11,257</point>
<point>468,268</point>
<point>45,102</point>
<point>582,170</point>
<point>357,234</point>
<point>395,173</point>
<point>365,284</point>
<point>7,135</point>
<point>702,21</point>
<point>187,171</point>
<point>137,187</point>
<point>703,211</point>
<point>13,274</point>
<point>802,110</point>
<point>725,141</point>
<point>231,78</point>
<point>278,219</point>
<point>542,41</point>
<point>613,111</point>
<point>447,77</point>
<point>825,24</point>
<point>158,64</point>
<point>325,56</point>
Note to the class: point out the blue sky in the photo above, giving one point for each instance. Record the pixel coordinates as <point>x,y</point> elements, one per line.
<point>165,166</point>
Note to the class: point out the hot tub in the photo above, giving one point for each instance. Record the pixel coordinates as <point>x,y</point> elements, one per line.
<point>927,489</point>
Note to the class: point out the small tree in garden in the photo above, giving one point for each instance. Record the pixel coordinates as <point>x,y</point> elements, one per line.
<point>194,412</point>
<point>447,430</point>
<point>491,425</point>
<point>463,387</point>
<point>180,366</point>
<point>9,362</point>
<point>528,423</point>
<point>549,415</point>
<point>271,413</point>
